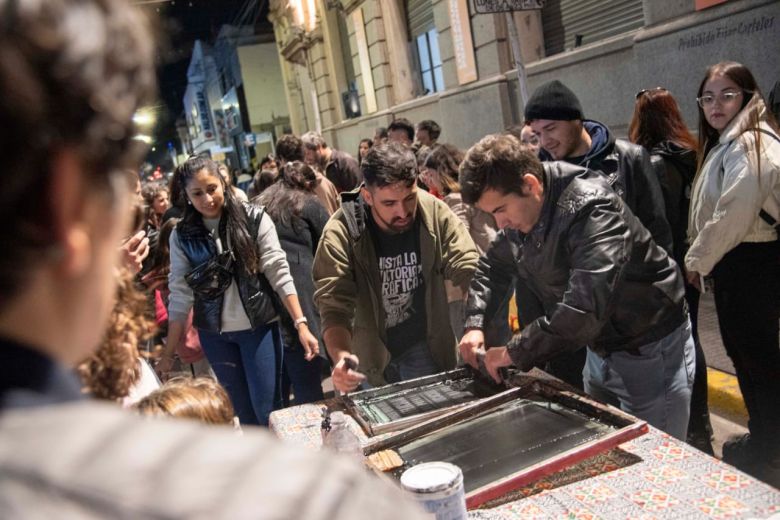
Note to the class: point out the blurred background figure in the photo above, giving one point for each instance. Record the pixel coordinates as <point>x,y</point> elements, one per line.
<point>363,148</point>
<point>290,148</point>
<point>263,179</point>
<point>224,171</point>
<point>339,167</point>
<point>380,135</point>
<point>428,132</point>
<point>401,131</point>
<point>155,196</point>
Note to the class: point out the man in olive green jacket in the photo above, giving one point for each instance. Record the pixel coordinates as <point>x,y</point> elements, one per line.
<point>379,273</point>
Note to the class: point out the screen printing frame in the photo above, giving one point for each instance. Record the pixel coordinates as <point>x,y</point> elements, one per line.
<point>536,385</point>
<point>354,402</point>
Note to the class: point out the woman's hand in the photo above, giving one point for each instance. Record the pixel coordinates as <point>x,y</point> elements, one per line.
<point>310,344</point>
<point>163,367</point>
<point>694,279</point>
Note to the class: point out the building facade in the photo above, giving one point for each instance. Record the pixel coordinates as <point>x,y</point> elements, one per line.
<point>234,104</point>
<point>350,66</point>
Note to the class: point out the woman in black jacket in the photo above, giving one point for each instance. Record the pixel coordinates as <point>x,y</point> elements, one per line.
<point>300,218</point>
<point>658,126</point>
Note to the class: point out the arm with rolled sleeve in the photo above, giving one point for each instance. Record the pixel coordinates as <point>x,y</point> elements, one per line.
<point>598,241</point>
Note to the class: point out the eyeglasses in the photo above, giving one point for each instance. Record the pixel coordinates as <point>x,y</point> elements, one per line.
<point>723,98</point>
<point>646,90</point>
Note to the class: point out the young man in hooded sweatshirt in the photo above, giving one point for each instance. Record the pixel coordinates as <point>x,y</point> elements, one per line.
<point>555,115</point>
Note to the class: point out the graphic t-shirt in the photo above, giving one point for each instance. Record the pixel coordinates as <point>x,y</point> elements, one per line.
<point>403,286</point>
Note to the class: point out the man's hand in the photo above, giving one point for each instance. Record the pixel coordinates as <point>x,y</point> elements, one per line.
<point>496,358</point>
<point>472,343</point>
<point>134,251</point>
<point>345,379</point>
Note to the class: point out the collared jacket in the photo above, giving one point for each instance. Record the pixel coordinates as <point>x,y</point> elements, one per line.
<point>629,171</point>
<point>731,189</point>
<point>600,277</point>
<point>348,286</point>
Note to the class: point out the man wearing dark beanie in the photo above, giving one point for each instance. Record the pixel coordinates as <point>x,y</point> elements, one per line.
<point>555,115</point>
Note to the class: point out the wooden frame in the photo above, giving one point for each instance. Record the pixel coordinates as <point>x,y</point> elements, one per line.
<point>535,386</point>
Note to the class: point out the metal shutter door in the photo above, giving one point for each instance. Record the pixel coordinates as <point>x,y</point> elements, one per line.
<point>419,15</point>
<point>594,19</point>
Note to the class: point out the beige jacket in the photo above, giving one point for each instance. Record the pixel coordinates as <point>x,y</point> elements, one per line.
<point>728,192</point>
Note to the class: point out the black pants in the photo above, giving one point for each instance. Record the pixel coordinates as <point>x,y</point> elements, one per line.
<point>747,300</point>
<point>699,426</point>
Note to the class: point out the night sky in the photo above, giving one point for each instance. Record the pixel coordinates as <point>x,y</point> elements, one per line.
<point>181,23</point>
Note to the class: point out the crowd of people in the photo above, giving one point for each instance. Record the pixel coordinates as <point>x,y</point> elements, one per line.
<point>397,263</point>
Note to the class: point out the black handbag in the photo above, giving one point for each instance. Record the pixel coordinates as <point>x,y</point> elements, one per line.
<point>213,277</point>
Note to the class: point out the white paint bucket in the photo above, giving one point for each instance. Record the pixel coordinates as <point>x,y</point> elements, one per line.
<point>438,487</point>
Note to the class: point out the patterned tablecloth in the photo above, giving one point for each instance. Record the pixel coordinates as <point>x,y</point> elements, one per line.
<point>653,476</point>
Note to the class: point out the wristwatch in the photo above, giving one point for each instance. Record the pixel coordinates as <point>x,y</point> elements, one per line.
<point>300,320</point>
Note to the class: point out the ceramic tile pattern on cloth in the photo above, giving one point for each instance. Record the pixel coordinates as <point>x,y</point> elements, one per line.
<point>653,476</point>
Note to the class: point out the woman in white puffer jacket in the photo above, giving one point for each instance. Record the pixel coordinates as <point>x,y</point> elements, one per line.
<point>738,177</point>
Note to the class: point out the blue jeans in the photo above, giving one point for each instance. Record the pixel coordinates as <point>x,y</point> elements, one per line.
<point>653,384</point>
<point>248,363</point>
<point>415,362</point>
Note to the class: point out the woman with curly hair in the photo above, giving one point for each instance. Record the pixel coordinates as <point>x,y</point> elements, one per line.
<point>300,219</point>
<point>227,266</point>
<point>155,196</point>
<point>116,371</point>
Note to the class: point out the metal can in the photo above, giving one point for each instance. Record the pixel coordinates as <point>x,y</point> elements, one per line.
<point>438,487</point>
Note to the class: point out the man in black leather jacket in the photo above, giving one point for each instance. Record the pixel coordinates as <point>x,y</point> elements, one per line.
<point>600,277</point>
<point>555,115</point>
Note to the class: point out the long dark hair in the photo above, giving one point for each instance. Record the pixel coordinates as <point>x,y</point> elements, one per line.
<point>445,160</point>
<point>744,79</point>
<point>284,200</point>
<point>244,246</point>
<point>656,119</point>
<point>369,142</point>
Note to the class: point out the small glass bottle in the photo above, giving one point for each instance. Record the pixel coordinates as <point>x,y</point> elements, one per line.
<point>340,438</point>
